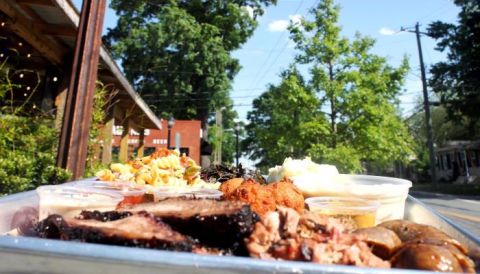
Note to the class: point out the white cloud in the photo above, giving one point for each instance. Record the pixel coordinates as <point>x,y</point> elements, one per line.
<point>281,25</point>
<point>278,26</point>
<point>387,31</point>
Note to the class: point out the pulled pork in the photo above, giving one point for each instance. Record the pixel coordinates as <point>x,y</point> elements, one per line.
<point>285,234</point>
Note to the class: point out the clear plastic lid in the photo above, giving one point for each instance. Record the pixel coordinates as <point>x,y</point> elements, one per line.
<point>363,186</point>
<point>77,196</point>
<point>126,189</point>
<point>69,201</point>
<point>164,192</point>
<point>340,205</point>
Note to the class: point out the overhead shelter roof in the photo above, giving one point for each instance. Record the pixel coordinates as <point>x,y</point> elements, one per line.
<point>50,26</point>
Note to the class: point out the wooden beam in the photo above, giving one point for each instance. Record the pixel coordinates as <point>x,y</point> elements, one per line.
<point>59,30</point>
<point>28,30</point>
<point>69,9</point>
<point>72,151</point>
<point>60,106</point>
<point>110,64</point>
<point>107,140</point>
<point>27,9</point>
<point>47,3</point>
<point>123,154</point>
<point>49,29</point>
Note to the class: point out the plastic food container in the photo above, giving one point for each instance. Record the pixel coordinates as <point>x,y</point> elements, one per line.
<point>390,192</point>
<point>353,212</point>
<point>124,188</point>
<point>69,201</point>
<point>131,192</point>
<point>164,192</point>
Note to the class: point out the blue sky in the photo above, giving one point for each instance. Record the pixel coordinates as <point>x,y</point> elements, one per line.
<point>269,51</point>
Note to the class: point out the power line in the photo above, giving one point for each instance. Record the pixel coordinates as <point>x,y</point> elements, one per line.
<point>435,12</point>
<point>274,48</point>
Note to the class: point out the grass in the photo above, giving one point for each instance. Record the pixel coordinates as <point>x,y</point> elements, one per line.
<point>449,188</point>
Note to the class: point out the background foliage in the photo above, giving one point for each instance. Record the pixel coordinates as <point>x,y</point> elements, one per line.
<point>102,103</point>
<point>346,114</point>
<point>177,53</point>
<point>28,143</point>
<point>456,80</point>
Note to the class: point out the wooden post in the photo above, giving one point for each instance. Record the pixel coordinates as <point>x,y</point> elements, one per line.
<point>123,155</point>
<point>60,105</point>
<point>107,140</point>
<point>72,152</point>
<point>141,143</point>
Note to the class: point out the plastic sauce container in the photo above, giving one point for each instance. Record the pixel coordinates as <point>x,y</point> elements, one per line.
<point>69,201</point>
<point>355,213</point>
<point>390,192</point>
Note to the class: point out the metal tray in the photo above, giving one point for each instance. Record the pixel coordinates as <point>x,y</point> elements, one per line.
<point>27,255</point>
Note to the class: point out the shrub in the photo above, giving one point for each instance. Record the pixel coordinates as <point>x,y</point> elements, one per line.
<point>28,143</point>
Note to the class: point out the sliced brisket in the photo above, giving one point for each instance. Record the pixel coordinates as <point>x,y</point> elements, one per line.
<point>139,230</point>
<point>219,224</point>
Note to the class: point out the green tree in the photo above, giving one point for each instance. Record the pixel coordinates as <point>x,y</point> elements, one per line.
<point>285,121</point>
<point>177,52</point>
<point>357,92</point>
<point>457,80</point>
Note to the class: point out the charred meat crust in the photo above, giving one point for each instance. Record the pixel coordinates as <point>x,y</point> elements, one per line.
<point>56,227</point>
<point>104,216</point>
<point>222,231</point>
<point>218,224</point>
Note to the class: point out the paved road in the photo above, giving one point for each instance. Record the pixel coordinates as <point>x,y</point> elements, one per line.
<point>461,209</point>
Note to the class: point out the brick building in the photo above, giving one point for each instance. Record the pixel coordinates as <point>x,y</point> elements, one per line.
<point>185,135</point>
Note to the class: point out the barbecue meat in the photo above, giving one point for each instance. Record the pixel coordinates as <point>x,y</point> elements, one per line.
<point>287,195</point>
<point>218,224</point>
<point>255,194</point>
<point>264,198</point>
<point>229,186</point>
<point>139,230</point>
<point>426,247</point>
<point>412,232</point>
<point>431,257</point>
<point>383,241</point>
<point>287,235</point>
<point>104,216</point>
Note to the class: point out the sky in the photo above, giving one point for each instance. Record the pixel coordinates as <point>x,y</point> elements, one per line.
<point>269,50</point>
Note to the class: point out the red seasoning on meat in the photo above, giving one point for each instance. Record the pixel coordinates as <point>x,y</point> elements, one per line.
<point>264,198</point>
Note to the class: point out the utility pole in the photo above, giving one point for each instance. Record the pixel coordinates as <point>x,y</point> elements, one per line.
<point>426,106</point>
